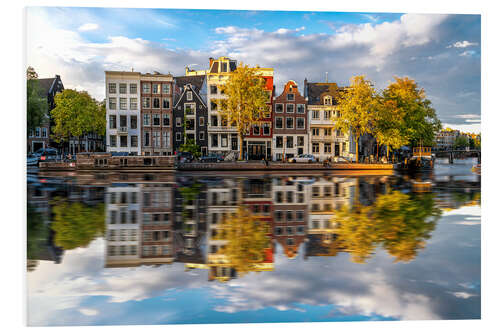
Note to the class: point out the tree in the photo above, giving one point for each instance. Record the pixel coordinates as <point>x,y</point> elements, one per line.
<point>77,114</point>
<point>246,238</point>
<point>37,232</point>
<point>189,145</point>
<point>420,123</point>
<point>357,106</point>
<point>37,107</point>
<point>461,142</point>
<point>75,224</point>
<point>246,101</point>
<point>388,125</point>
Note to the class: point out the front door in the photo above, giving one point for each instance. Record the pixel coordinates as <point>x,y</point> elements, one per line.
<point>337,149</point>
<point>300,151</point>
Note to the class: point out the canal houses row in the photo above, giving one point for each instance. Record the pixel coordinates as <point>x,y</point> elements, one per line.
<point>154,114</point>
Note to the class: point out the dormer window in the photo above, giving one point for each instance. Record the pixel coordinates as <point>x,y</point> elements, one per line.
<point>328,100</point>
<point>224,67</point>
<point>189,96</point>
<point>290,97</point>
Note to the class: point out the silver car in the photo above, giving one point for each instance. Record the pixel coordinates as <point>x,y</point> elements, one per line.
<point>303,158</point>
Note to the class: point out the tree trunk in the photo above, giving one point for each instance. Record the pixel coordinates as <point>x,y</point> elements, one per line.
<point>387,153</point>
<point>377,150</point>
<point>357,149</point>
<point>240,137</point>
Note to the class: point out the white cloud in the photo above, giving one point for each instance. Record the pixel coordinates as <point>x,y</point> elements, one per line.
<point>88,312</point>
<point>462,44</point>
<point>467,53</point>
<point>88,27</point>
<point>462,294</point>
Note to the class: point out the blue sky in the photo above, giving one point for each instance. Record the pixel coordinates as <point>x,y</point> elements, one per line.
<point>441,52</point>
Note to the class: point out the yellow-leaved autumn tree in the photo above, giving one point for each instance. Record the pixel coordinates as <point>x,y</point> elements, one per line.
<point>246,238</point>
<point>245,102</point>
<point>357,104</point>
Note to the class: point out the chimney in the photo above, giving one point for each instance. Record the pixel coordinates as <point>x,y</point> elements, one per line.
<point>210,62</point>
<point>326,77</point>
<point>305,87</point>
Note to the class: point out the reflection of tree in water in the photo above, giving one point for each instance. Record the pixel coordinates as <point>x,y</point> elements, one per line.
<point>398,222</point>
<point>247,240</point>
<point>189,195</point>
<point>76,224</point>
<point>37,235</point>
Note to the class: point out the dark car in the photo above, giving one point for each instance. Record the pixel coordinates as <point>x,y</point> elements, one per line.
<point>184,157</point>
<point>42,155</point>
<point>212,158</point>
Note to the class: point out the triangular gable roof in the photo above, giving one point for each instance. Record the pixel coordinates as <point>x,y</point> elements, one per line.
<point>194,92</point>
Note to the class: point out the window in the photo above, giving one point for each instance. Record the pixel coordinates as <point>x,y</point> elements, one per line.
<point>201,136</point>
<point>133,141</point>
<point>123,104</point>
<point>112,88</point>
<point>146,119</point>
<point>156,103</point>
<point>289,122</point>
<point>301,108</point>
<point>213,89</point>
<point>190,123</point>
<point>289,215</point>
<point>278,108</point>
<point>201,121</point>
<point>279,122</point>
<point>289,231</point>
<point>327,115</point>
<point>267,129</point>
<point>133,88</point>
<point>279,142</point>
<point>214,120</point>
<point>146,139</point>
<point>328,100</point>
<point>37,132</point>
<point>166,120</point>
<point>133,122</point>
<point>178,136</point>
<point>166,88</point>
<point>278,231</point>
<point>315,191</point>
<point>146,102</point>
<point>123,141</point>
<point>299,215</point>
<point>156,88</point>
<point>156,139</point>
<point>279,197</point>
<point>146,88</point>
<point>338,133</point>
<point>315,114</point>
<point>44,132</point>
<point>156,119</point>
<point>289,141</point>
<point>315,131</point>
<point>112,140</point>
<point>223,140</point>
<point>256,130</point>
<point>215,140</point>
<point>300,123</point>
<point>189,95</point>
<point>112,103</point>
<point>290,108</point>
<point>278,215</point>
<point>290,97</point>
<point>189,109</point>
<point>327,148</point>
<point>166,103</point>
<point>178,121</point>
<point>166,139</point>
<point>123,88</point>
<point>315,147</point>
<point>123,121</point>
<point>133,103</point>
<point>328,132</point>
<point>327,191</point>
<point>224,67</point>
<point>300,141</point>
<point>112,121</point>
<point>289,196</point>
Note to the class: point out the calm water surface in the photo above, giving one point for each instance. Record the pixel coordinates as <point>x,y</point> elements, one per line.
<point>125,248</point>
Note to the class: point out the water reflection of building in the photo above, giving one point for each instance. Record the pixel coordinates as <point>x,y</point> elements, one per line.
<point>291,213</point>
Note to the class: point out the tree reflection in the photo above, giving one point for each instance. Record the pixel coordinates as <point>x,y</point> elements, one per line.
<point>37,232</point>
<point>246,238</point>
<point>75,224</point>
<point>398,222</point>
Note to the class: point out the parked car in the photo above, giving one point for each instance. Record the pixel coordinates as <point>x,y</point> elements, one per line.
<point>212,158</point>
<point>42,155</point>
<point>303,158</point>
<point>184,157</point>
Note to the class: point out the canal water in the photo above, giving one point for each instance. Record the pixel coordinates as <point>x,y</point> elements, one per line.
<point>174,248</point>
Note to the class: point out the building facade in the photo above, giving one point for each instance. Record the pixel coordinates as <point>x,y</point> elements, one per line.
<point>325,142</point>
<point>123,115</point>
<point>290,132</point>
<point>190,112</point>
<point>157,114</point>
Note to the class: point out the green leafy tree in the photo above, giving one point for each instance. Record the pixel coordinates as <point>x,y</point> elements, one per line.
<point>190,145</point>
<point>461,142</point>
<point>246,238</point>
<point>388,125</point>
<point>37,107</point>
<point>419,121</point>
<point>77,114</point>
<point>357,105</point>
<point>246,100</point>
<point>75,224</point>
<point>37,232</point>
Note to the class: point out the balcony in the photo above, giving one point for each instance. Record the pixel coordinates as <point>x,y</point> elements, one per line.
<point>123,129</point>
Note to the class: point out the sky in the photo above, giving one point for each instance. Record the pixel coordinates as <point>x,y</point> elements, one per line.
<point>441,52</point>
<point>443,282</point>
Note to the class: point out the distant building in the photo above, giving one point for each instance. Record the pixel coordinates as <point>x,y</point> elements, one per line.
<point>324,140</point>
<point>290,132</point>
<point>446,139</point>
<point>40,136</point>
